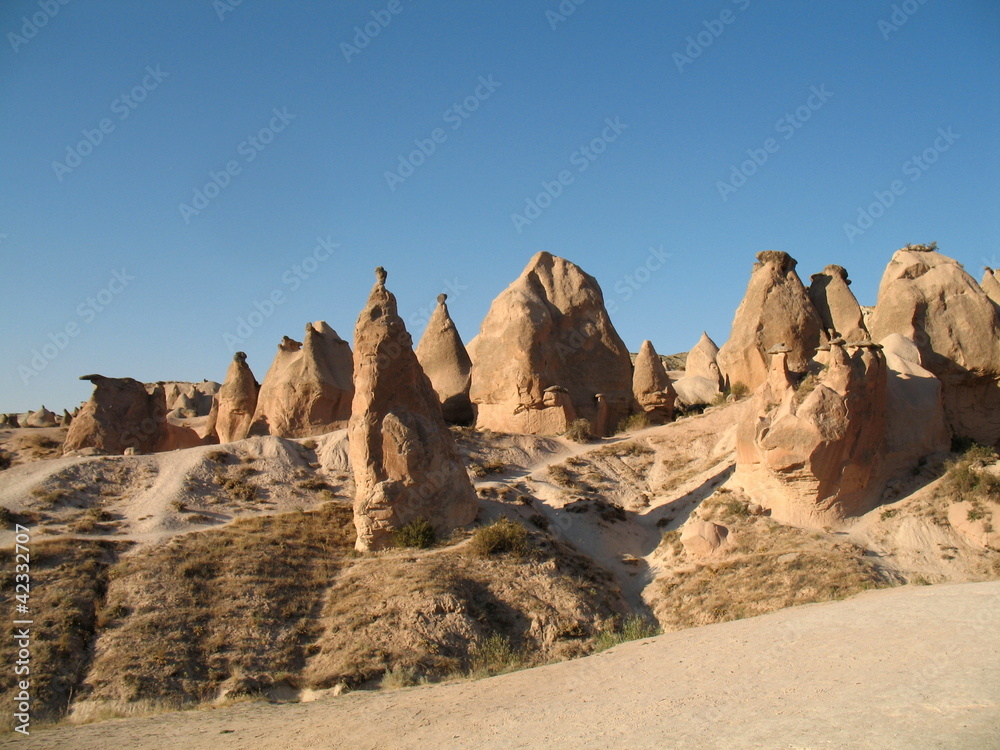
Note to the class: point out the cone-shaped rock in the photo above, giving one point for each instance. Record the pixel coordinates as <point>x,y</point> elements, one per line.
<point>67,418</point>
<point>836,304</point>
<point>443,356</point>
<point>991,285</point>
<point>703,360</point>
<point>308,389</point>
<point>120,414</point>
<point>549,329</point>
<point>651,386</point>
<point>928,298</point>
<point>775,310</point>
<point>235,403</point>
<point>405,461</point>
<point>41,418</point>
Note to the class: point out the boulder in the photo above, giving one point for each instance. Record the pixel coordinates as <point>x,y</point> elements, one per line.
<point>839,310</point>
<point>651,387</point>
<point>446,362</point>
<point>703,361</point>
<point>120,414</point>
<point>406,464</point>
<point>234,405</point>
<point>991,285</point>
<point>549,328</point>
<point>41,418</point>
<point>702,538</point>
<point>308,389</point>
<point>696,391</point>
<point>928,298</point>
<point>775,310</point>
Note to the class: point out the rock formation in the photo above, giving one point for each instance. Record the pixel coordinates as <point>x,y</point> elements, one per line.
<point>308,389</point>
<point>405,461</point>
<point>120,414</point>
<point>930,299</point>
<point>839,310</point>
<point>549,329</point>
<point>651,386</point>
<point>443,356</point>
<point>775,310</point>
<point>9,420</point>
<point>67,418</point>
<point>234,405</point>
<point>193,399</point>
<point>701,380</point>
<point>702,538</point>
<point>41,418</point>
<point>991,285</point>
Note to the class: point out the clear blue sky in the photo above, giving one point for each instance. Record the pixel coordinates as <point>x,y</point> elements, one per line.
<point>208,84</point>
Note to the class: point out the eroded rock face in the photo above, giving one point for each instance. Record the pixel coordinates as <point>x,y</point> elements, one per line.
<point>188,399</point>
<point>651,386</point>
<point>120,414</point>
<point>446,362</point>
<point>234,405</point>
<point>836,304</point>
<point>991,285</point>
<point>549,328</point>
<point>405,461</point>
<point>703,360</point>
<point>41,418</point>
<point>702,538</point>
<point>776,310</point>
<point>929,298</point>
<point>309,387</point>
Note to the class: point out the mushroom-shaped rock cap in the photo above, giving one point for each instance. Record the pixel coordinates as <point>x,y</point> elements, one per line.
<point>779,349</point>
<point>781,259</point>
<point>833,270</point>
<point>381,275</point>
<point>240,357</point>
<point>442,298</point>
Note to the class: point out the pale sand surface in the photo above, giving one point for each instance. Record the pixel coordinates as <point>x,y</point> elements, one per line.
<point>914,667</point>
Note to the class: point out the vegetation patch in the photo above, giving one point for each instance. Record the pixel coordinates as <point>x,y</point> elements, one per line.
<point>503,536</point>
<point>632,629</point>
<point>418,533</point>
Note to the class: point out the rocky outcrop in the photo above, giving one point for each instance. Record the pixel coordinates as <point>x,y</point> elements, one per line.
<point>651,386</point>
<point>309,388</point>
<point>446,362</point>
<point>991,285</point>
<point>234,405</point>
<point>549,329</point>
<point>9,420</point>
<point>930,299</point>
<point>120,414</point>
<point>776,310</point>
<point>405,461</point>
<point>836,304</point>
<point>41,418</point>
<point>67,418</point>
<point>703,360</point>
<point>188,399</point>
<point>702,538</point>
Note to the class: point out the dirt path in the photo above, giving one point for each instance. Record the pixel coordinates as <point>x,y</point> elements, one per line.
<point>906,668</point>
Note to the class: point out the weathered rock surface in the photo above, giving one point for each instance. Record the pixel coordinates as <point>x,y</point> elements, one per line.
<point>67,418</point>
<point>929,298</point>
<point>41,418</point>
<point>702,538</point>
<point>9,420</point>
<point>309,387</point>
<point>120,414</point>
<point>234,405</point>
<point>549,328</point>
<point>703,361</point>
<point>991,285</point>
<point>694,391</point>
<point>193,399</point>
<point>446,362</point>
<point>651,387</point>
<point>776,310</point>
<point>406,464</point>
<point>836,304</point>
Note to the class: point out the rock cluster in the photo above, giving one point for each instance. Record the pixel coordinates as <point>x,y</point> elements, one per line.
<point>120,414</point>
<point>41,418</point>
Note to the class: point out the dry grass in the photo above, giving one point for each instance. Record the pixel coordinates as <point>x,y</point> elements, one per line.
<point>503,536</point>
<point>579,431</point>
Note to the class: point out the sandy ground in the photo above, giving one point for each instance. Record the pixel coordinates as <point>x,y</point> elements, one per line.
<point>914,667</point>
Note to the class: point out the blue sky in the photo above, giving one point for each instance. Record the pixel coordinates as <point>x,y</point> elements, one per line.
<point>736,126</point>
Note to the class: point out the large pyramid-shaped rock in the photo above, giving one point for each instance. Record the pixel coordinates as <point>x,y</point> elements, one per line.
<point>442,355</point>
<point>41,418</point>
<point>234,405</point>
<point>308,389</point>
<point>929,298</point>
<point>651,386</point>
<point>405,461</point>
<point>120,414</point>
<point>991,285</point>
<point>776,310</point>
<point>550,330</point>
<point>836,304</point>
<point>703,360</point>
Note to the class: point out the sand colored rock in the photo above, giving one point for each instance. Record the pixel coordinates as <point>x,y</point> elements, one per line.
<point>929,298</point>
<point>693,391</point>
<point>836,304</point>
<point>775,310</point>
<point>41,418</point>
<point>9,420</point>
<point>443,356</point>
<point>193,399</point>
<point>703,360</point>
<point>405,461</point>
<point>702,538</point>
<point>651,387</point>
<point>990,284</point>
<point>120,414</point>
<point>308,389</point>
<point>549,328</point>
<point>234,405</point>
<point>67,418</point>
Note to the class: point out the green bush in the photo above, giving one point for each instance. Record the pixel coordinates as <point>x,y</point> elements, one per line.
<point>500,537</point>
<point>417,533</point>
<point>739,390</point>
<point>634,628</point>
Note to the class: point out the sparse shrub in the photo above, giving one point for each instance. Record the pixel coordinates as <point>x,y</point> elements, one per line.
<point>495,655</point>
<point>579,431</point>
<point>500,537</point>
<point>562,476</point>
<point>736,507</point>
<point>637,421</point>
<point>805,387</point>
<point>888,513</point>
<point>179,505</point>
<point>540,521</point>
<point>399,677</point>
<point>525,499</point>
<point>417,533</point>
<point>5,460</point>
<point>219,456</point>
<point>309,445</point>
<point>634,628</point>
<point>6,517</point>
<point>314,484</point>
<point>485,468</point>
<point>50,497</point>
<point>967,478</point>
<point>739,390</point>
<point>975,514</point>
